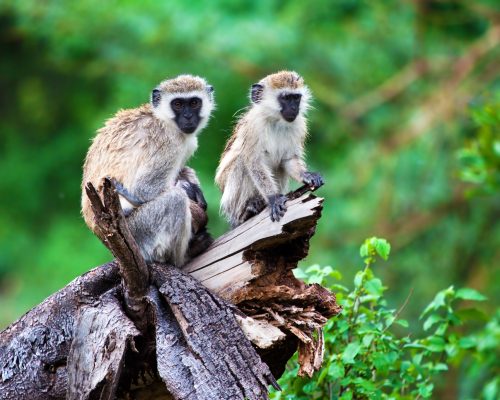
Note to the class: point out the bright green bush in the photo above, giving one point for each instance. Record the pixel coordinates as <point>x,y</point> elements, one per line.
<point>370,352</point>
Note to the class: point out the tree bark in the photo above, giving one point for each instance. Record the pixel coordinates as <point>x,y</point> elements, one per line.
<point>107,335</point>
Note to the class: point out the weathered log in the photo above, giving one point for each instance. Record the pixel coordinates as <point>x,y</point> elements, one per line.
<point>251,266</point>
<point>220,356</point>
<point>34,350</point>
<point>201,352</point>
<point>102,335</point>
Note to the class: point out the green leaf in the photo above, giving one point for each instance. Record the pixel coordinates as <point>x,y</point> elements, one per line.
<point>490,391</point>
<point>336,371</point>
<point>440,367</point>
<point>339,288</point>
<point>368,298</point>
<point>472,314</point>
<point>358,279</point>
<point>350,352</point>
<point>342,325</point>
<point>364,250</point>
<point>367,340</point>
<point>375,245</point>
<point>467,342</point>
<point>346,396</point>
<point>441,329</point>
<point>417,358</point>
<point>436,344</point>
<point>366,385</point>
<point>383,248</point>
<point>316,278</point>
<point>326,270</point>
<point>451,349</point>
<point>299,273</point>
<point>470,294</point>
<point>403,322</point>
<point>433,318</point>
<point>425,390</point>
<point>380,361</point>
<point>335,274</point>
<point>313,268</point>
<point>439,301</point>
<point>374,286</point>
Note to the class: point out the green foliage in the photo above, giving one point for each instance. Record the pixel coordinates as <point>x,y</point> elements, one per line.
<point>480,159</point>
<point>370,353</point>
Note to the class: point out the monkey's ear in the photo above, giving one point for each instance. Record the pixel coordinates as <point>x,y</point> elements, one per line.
<point>210,91</point>
<point>155,97</point>
<point>256,92</point>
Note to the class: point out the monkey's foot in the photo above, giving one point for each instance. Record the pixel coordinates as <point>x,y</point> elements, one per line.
<point>313,179</point>
<point>254,206</point>
<point>277,203</point>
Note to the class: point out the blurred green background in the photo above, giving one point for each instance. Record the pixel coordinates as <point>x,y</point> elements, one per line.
<point>404,92</point>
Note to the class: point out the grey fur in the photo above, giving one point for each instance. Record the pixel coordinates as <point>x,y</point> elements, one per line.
<point>144,151</point>
<point>162,227</point>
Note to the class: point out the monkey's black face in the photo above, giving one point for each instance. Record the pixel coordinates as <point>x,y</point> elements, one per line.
<point>290,104</point>
<point>187,113</point>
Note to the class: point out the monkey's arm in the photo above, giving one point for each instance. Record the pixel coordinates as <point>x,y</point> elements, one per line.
<point>264,182</point>
<point>201,239</point>
<point>296,168</point>
<point>128,201</point>
<point>188,174</point>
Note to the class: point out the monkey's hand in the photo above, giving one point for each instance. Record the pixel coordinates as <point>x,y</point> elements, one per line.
<point>194,192</point>
<point>312,179</point>
<point>128,201</point>
<point>277,203</point>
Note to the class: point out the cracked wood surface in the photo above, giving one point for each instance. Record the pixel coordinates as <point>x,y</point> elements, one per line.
<point>252,266</point>
<point>225,266</point>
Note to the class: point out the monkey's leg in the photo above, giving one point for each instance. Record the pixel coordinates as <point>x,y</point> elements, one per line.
<point>253,207</point>
<point>162,227</point>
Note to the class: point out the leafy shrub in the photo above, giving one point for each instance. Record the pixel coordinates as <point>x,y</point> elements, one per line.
<point>366,357</point>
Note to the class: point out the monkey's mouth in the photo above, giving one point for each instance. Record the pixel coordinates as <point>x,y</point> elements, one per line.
<point>188,128</point>
<point>289,116</point>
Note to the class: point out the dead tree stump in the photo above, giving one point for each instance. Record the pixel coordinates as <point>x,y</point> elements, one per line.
<point>131,330</point>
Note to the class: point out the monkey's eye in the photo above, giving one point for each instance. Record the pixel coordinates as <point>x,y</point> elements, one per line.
<point>292,96</point>
<point>195,103</point>
<point>177,105</point>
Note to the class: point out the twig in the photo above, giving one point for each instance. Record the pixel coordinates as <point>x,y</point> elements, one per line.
<point>113,230</point>
<point>400,310</point>
<point>300,192</point>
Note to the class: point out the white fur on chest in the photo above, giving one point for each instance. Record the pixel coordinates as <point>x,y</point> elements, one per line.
<point>191,144</point>
<point>279,141</point>
<point>187,147</point>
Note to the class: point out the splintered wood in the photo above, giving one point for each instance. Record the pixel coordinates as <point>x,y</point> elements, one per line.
<point>131,330</point>
<point>251,266</point>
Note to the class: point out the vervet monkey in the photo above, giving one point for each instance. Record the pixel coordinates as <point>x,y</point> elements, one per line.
<point>265,149</point>
<point>144,151</point>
